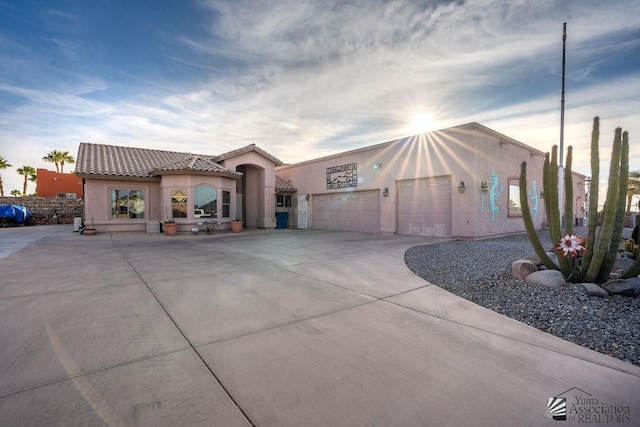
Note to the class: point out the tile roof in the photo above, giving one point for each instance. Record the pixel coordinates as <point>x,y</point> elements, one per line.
<point>284,186</point>
<point>246,149</point>
<point>111,160</point>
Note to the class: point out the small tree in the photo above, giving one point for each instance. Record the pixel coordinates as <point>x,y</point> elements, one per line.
<point>3,165</point>
<point>16,193</point>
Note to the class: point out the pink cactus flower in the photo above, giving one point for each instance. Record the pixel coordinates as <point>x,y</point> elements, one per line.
<point>571,245</point>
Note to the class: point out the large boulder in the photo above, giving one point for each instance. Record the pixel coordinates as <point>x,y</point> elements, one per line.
<point>521,268</point>
<point>547,278</point>
<point>593,290</point>
<point>628,287</point>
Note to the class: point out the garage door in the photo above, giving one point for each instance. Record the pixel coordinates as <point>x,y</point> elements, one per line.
<point>350,211</point>
<point>424,207</point>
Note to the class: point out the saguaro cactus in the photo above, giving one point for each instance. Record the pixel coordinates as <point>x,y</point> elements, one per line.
<point>596,270</point>
<point>550,183</point>
<point>568,193</point>
<point>601,247</point>
<point>528,223</point>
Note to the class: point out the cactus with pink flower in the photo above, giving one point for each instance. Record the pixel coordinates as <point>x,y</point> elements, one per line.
<point>590,258</point>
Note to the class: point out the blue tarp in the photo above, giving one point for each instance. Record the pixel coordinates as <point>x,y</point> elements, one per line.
<point>14,215</point>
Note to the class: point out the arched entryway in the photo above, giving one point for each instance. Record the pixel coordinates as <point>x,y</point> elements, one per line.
<point>250,191</point>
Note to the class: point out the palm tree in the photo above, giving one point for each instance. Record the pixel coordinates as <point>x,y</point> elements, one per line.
<point>54,157</point>
<point>633,188</point>
<point>16,193</point>
<point>29,173</point>
<point>65,157</point>
<point>3,165</point>
<point>33,177</point>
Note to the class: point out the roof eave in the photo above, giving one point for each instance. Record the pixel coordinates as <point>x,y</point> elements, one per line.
<point>229,174</point>
<point>118,177</point>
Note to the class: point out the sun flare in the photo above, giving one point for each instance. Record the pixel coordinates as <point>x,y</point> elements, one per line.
<point>421,123</point>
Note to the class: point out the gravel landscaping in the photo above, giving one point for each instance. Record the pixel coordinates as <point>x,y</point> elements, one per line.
<point>480,272</point>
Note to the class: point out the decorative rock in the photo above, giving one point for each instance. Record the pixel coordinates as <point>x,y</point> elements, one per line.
<point>628,288</point>
<point>521,268</point>
<point>593,290</point>
<point>615,275</point>
<point>623,263</point>
<point>548,278</point>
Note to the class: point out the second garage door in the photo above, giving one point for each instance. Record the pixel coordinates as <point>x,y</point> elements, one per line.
<point>349,211</point>
<point>424,207</point>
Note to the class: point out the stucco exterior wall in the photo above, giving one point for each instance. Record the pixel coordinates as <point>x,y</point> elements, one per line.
<point>258,188</point>
<point>463,154</point>
<point>157,201</point>
<point>189,182</point>
<point>97,195</point>
<point>51,183</point>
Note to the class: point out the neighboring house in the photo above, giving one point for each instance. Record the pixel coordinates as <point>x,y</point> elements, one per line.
<point>128,189</point>
<point>461,182</point>
<point>60,185</point>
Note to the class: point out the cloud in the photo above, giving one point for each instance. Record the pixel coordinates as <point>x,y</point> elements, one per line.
<point>305,79</point>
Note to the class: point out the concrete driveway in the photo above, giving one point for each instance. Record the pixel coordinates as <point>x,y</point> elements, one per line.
<point>271,328</point>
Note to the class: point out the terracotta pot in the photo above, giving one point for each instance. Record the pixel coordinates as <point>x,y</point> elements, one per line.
<point>89,231</point>
<point>236,226</point>
<point>170,228</point>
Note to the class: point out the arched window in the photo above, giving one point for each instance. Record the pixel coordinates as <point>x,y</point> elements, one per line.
<point>205,202</point>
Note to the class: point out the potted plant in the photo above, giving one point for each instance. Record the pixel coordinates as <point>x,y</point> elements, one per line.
<point>170,227</point>
<point>209,228</point>
<point>236,226</point>
<point>89,230</point>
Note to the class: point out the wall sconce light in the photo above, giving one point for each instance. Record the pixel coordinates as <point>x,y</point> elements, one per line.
<point>484,187</point>
<point>461,187</point>
<point>385,192</point>
<point>377,165</point>
<point>307,197</point>
<point>541,194</point>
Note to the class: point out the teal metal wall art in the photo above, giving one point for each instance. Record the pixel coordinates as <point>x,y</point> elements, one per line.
<point>495,193</point>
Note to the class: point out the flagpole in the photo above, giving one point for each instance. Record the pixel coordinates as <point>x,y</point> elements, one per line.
<point>560,167</point>
<point>564,55</point>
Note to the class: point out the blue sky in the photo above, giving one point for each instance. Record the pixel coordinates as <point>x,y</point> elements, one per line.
<point>303,79</point>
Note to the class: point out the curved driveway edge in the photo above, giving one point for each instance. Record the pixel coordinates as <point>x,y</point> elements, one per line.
<point>282,327</point>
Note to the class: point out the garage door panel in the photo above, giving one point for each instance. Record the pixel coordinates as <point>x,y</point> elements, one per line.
<point>424,207</point>
<point>348,211</point>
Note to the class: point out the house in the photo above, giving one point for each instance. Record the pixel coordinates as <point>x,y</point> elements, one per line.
<point>59,185</point>
<point>461,182</point>
<point>134,189</point>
